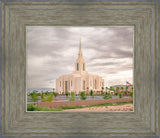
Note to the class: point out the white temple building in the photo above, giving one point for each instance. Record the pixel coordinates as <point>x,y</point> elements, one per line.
<point>80,79</point>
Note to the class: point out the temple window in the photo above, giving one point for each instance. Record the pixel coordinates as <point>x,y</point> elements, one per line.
<point>83,85</point>
<point>60,84</point>
<point>95,84</point>
<point>83,67</point>
<point>66,87</point>
<point>77,66</point>
<point>71,82</point>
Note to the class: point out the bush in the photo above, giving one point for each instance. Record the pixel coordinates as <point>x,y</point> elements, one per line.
<point>120,95</point>
<point>31,107</point>
<point>67,94</point>
<point>55,94</point>
<point>47,97</point>
<point>72,97</point>
<point>131,94</point>
<point>82,96</point>
<point>34,96</point>
<point>39,94</point>
<point>107,96</point>
<point>116,93</point>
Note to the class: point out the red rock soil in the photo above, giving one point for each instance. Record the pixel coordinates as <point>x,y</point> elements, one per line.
<point>90,102</point>
<point>125,107</point>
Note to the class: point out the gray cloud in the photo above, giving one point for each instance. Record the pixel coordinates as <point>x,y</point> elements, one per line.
<point>52,51</point>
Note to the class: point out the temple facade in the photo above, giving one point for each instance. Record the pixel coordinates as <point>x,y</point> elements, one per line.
<point>80,79</point>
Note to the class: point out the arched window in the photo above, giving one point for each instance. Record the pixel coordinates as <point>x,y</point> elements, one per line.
<point>84,85</point>
<point>77,66</point>
<point>83,67</point>
<point>95,84</point>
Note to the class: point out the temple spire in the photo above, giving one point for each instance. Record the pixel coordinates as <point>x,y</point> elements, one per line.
<point>80,44</point>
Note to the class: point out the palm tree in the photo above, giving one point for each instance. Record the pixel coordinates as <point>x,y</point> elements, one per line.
<point>117,89</point>
<point>102,90</point>
<point>122,88</point>
<point>126,89</point>
<point>111,88</point>
<point>106,88</point>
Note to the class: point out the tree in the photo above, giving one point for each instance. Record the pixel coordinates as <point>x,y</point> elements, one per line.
<point>53,89</point>
<point>111,88</point>
<point>47,97</point>
<point>34,96</point>
<point>117,89</point>
<point>122,88</point>
<point>91,94</point>
<point>120,95</point>
<point>106,88</point>
<point>102,90</point>
<point>46,92</point>
<point>82,96</point>
<point>67,94</point>
<point>107,96</point>
<point>72,96</point>
<point>126,89</point>
<point>115,93</point>
<point>55,94</point>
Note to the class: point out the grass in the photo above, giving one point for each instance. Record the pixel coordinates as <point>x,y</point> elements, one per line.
<point>31,107</point>
<point>110,104</point>
<point>72,107</point>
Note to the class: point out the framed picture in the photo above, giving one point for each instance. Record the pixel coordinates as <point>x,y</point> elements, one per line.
<point>33,50</point>
<point>79,68</point>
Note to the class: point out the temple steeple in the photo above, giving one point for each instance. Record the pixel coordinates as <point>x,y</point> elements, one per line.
<point>80,51</point>
<point>80,64</point>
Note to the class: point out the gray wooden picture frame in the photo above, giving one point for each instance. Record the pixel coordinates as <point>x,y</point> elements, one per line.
<point>142,122</point>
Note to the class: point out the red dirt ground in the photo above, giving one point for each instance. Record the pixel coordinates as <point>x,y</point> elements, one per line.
<point>81,102</point>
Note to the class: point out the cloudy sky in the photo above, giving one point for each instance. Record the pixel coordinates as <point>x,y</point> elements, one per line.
<point>52,52</point>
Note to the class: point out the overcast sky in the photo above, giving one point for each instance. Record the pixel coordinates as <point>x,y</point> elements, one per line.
<point>52,52</point>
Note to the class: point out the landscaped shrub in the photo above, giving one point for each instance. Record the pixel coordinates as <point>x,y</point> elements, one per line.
<point>31,107</point>
<point>91,94</point>
<point>120,95</point>
<point>131,94</point>
<point>55,94</point>
<point>107,96</point>
<point>72,97</point>
<point>116,93</point>
<point>47,97</point>
<point>82,96</point>
<point>67,94</point>
<point>34,96</point>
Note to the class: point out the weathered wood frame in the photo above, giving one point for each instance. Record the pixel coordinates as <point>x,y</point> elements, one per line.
<point>142,122</point>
